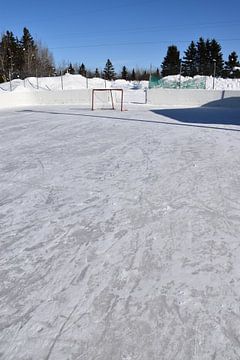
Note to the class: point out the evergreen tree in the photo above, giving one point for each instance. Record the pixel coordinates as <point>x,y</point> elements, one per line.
<point>208,52</point>
<point>236,72</point>
<point>145,75</point>
<point>208,66</point>
<point>230,65</point>
<point>71,70</point>
<point>124,73</point>
<point>11,60</point>
<point>27,39</point>
<point>189,65</point>
<point>158,73</point>
<point>215,54</point>
<point>82,70</point>
<point>201,56</point>
<point>97,74</point>
<point>23,58</point>
<point>154,74</point>
<point>133,75</point>
<point>29,49</point>
<point>108,71</point>
<point>171,62</point>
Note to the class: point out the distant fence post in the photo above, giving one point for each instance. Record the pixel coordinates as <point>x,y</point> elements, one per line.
<point>61,79</point>
<point>145,90</point>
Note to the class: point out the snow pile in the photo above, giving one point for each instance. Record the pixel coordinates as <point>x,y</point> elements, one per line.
<point>68,82</point>
<point>75,82</point>
<point>125,84</point>
<point>222,84</point>
<point>208,82</point>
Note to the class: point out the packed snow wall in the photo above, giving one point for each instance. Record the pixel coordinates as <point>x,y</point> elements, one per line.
<point>196,97</point>
<point>28,98</point>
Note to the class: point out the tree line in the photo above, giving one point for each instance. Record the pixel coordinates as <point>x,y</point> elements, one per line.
<point>108,73</point>
<point>201,58</point>
<point>25,57</point>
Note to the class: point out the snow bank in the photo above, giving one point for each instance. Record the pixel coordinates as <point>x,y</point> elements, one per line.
<point>75,82</point>
<point>77,90</point>
<point>208,81</point>
<point>68,82</point>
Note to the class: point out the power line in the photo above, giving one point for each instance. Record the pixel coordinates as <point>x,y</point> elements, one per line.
<point>155,28</point>
<point>134,43</point>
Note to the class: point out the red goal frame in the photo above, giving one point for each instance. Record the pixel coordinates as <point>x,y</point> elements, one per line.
<point>110,90</point>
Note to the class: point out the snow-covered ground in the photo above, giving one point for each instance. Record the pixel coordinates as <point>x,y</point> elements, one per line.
<point>119,234</point>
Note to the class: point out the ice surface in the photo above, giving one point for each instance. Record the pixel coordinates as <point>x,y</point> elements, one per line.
<point>119,234</point>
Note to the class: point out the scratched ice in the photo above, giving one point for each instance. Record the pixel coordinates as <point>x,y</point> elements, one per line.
<point>119,234</point>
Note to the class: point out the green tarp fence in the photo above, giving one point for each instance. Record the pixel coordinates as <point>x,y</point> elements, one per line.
<point>165,83</point>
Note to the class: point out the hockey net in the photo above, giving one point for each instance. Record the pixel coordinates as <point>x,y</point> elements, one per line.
<point>107,99</point>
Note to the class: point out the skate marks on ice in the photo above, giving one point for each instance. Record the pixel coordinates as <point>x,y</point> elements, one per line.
<point>119,239</point>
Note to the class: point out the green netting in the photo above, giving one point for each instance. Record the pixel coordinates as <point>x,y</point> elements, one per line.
<point>165,83</point>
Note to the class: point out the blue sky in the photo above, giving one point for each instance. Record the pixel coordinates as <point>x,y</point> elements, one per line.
<point>129,32</point>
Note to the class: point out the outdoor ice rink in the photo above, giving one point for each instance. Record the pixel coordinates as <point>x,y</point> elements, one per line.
<point>119,234</point>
